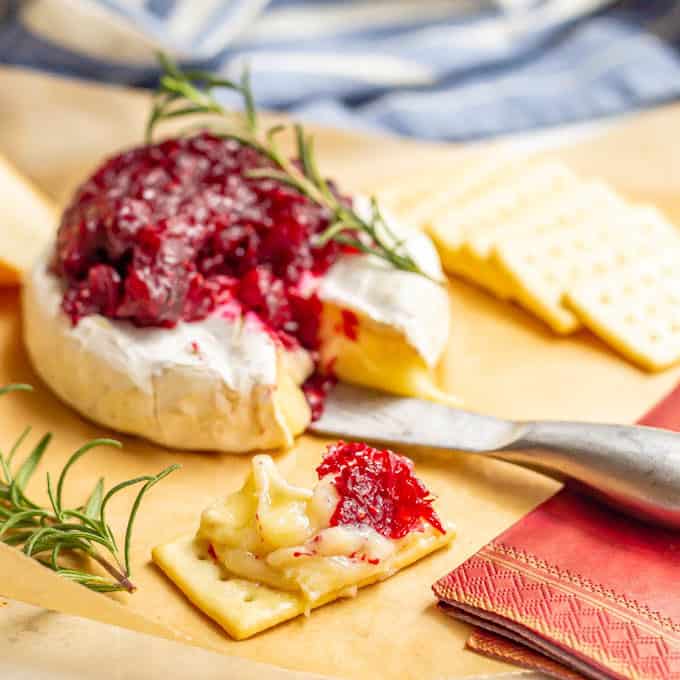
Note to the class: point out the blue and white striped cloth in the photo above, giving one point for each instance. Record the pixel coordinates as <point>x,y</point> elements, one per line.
<point>440,69</point>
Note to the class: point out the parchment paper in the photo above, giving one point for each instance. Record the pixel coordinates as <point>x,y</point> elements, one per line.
<point>499,359</point>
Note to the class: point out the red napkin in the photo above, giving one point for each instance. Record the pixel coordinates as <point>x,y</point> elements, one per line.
<point>575,589</point>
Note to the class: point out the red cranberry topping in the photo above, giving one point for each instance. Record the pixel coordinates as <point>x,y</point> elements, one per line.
<point>377,488</point>
<point>172,231</point>
<point>176,231</point>
<point>316,389</point>
<point>350,324</point>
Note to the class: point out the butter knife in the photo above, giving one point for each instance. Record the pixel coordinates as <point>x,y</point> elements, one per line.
<point>634,468</point>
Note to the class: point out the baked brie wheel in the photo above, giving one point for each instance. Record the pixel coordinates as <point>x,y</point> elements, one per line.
<point>190,304</point>
<point>273,551</point>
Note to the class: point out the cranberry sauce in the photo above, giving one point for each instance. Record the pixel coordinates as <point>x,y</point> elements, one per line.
<point>377,488</point>
<point>176,231</point>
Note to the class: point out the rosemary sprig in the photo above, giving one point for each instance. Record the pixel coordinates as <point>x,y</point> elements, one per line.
<point>50,533</point>
<point>186,93</point>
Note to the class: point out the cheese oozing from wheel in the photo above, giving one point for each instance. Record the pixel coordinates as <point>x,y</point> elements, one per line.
<point>403,318</point>
<point>284,543</point>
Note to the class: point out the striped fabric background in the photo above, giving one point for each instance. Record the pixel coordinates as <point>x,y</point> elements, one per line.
<point>440,69</point>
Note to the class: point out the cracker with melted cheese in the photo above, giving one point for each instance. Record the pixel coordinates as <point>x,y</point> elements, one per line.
<point>271,552</point>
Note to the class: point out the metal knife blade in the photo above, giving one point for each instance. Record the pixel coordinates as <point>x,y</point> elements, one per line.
<point>362,414</point>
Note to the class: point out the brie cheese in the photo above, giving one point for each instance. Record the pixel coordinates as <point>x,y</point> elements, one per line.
<point>223,383</point>
<point>217,384</point>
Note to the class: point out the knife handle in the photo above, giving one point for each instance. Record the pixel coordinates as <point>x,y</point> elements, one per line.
<point>635,468</point>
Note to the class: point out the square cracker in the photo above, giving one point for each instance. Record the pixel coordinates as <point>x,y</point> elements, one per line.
<point>546,267</point>
<point>512,195</point>
<point>636,308</point>
<point>244,608</point>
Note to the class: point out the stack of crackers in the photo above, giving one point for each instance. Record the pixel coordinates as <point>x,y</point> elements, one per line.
<point>569,250</point>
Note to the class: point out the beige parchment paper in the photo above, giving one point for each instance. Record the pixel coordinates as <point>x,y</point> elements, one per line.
<point>499,359</point>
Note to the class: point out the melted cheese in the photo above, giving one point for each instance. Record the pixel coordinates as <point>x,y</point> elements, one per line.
<point>403,317</point>
<point>274,533</point>
<point>267,553</point>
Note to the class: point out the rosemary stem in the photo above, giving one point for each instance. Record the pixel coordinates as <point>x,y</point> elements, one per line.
<point>113,571</point>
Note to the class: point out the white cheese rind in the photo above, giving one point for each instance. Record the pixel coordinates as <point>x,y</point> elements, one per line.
<point>209,385</point>
<point>414,306</point>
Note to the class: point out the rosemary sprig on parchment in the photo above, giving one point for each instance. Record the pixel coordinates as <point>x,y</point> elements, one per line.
<point>186,93</point>
<point>50,534</point>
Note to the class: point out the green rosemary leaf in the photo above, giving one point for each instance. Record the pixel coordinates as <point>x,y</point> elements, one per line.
<point>249,101</point>
<point>273,152</point>
<point>330,234</point>
<point>83,534</point>
<point>100,584</point>
<point>50,494</point>
<point>54,558</point>
<point>77,574</point>
<point>135,508</point>
<point>6,473</point>
<point>184,112</point>
<point>90,523</point>
<point>17,444</point>
<point>73,528</point>
<point>353,243</point>
<point>94,502</point>
<point>29,465</point>
<point>15,387</point>
<point>19,517</point>
<point>278,175</point>
<point>380,221</point>
<point>31,545</point>
<point>76,456</point>
<point>47,541</point>
<point>303,152</point>
<point>315,175</point>
<point>167,64</point>
<point>210,80</point>
<point>158,110</point>
<point>55,530</point>
<point>16,538</point>
<point>116,489</point>
<point>25,472</point>
<point>104,587</point>
<point>273,131</point>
